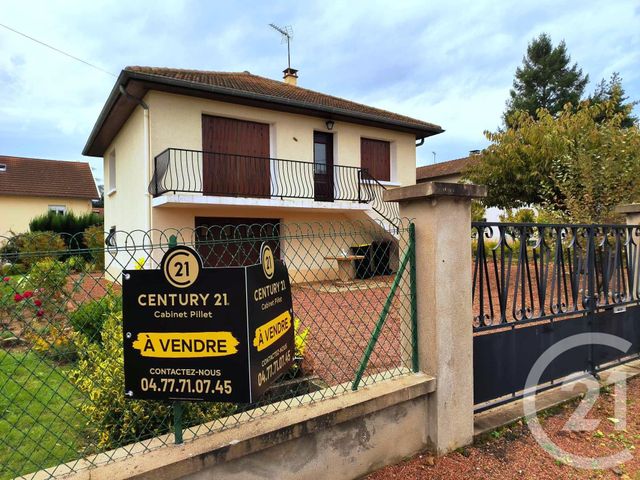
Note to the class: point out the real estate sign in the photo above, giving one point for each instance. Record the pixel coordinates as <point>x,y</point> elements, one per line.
<point>213,334</point>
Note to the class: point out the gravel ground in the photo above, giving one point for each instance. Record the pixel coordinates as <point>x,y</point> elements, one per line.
<point>512,452</point>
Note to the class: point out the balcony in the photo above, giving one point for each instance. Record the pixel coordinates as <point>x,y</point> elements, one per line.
<point>179,171</point>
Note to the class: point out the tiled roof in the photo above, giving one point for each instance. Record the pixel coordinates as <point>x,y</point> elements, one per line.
<point>451,167</point>
<point>254,84</point>
<point>46,178</point>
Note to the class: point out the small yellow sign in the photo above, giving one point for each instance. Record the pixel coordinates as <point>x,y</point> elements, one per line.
<point>271,331</point>
<point>186,345</point>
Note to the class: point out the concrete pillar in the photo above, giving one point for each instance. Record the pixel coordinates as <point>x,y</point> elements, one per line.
<point>442,216</point>
<point>631,212</point>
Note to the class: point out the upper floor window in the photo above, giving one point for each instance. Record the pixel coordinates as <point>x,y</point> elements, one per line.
<point>58,209</point>
<point>375,156</point>
<point>112,171</point>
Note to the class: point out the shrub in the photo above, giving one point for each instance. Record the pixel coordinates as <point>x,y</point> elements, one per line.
<point>68,223</point>
<point>54,343</point>
<point>34,247</point>
<point>94,238</point>
<point>75,263</point>
<point>89,318</point>
<point>114,421</point>
<point>300,338</point>
<point>49,277</point>
<point>9,251</point>
<point>12,269</point>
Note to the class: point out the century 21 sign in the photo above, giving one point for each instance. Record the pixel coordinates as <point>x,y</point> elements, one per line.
<point>212,334</point>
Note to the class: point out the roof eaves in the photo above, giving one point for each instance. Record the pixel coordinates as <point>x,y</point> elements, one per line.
<point>431,129</point>
<point>421,131</point>
<point>106,109</point>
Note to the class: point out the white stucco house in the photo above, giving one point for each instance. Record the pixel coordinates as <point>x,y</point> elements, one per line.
<point>188,149</point>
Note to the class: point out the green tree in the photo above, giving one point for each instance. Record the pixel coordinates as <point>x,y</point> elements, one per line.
<point>580,163</point>
<point>523,215</point>
<point>612,90</point>
<point>545,80</point>
<point>478,211</point>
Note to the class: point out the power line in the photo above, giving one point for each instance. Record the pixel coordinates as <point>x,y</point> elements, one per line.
<point>58,50</point>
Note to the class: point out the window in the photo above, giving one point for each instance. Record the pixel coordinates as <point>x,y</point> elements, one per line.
<point>3,167</point>
<point>112,171</point>
<point>58,209</point>
<point>375,156</point>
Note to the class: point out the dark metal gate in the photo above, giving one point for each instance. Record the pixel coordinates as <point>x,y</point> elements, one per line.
<point>535,285</point>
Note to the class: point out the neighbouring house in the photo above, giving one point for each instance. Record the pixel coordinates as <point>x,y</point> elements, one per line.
<point>31,186</point>
<point>449,171</point>
<point>187,149</point>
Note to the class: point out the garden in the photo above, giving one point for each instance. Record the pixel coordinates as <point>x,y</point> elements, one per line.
<point>61,352</point>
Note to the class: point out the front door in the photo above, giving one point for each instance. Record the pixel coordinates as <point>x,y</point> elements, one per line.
<point>235,161</point>
<point>323,166</point>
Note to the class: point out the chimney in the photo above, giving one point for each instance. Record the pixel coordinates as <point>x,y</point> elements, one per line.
<point>291,76</point>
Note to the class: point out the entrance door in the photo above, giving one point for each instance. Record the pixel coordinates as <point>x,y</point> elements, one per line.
<point>323,166</point>
<point>235,161</point>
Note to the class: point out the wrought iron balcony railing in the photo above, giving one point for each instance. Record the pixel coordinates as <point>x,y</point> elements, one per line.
<point>224,174</point>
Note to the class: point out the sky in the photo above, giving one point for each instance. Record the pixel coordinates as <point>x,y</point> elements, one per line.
<point>450,63</point>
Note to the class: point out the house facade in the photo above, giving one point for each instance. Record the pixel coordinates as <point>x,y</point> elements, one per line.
<point>30,187</point>
<point>189,149</point>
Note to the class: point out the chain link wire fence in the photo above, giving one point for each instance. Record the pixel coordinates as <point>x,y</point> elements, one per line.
<point>62,405</point>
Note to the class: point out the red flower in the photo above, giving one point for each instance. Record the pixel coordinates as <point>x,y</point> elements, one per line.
<point>37,303</point>
<point>6,279</point>
<point>40,313</point>
<point>27,294</point>
<point>17,297</point>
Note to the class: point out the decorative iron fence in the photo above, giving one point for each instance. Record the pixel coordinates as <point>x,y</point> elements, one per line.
<point>390,211</point>
<point>536,284</point>
<point>192,171</point>
<point>61,341</point>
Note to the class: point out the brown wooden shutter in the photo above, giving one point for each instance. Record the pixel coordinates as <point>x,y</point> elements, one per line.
<point>236,158</point>
<point>375,156</point>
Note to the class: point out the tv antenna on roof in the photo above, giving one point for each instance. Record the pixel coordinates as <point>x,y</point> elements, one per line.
<point>287,34</point>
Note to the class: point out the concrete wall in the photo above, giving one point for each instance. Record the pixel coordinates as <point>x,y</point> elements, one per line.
<point>17,211</point>
<point>341,437</point>
<point>126,207</point>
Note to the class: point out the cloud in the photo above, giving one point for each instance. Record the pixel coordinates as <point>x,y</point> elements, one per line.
<point>448,63</point>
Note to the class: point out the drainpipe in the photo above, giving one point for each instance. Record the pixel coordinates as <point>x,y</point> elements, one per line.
<point>420,142</point>
<point>147,151</point>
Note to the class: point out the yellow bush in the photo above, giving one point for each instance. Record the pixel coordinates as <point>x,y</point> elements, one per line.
<point>114,421</point>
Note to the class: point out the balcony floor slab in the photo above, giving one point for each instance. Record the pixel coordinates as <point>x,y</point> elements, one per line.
<point>190,201</point>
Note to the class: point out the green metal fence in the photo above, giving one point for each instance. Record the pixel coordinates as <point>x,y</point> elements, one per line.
<point>61,369</point>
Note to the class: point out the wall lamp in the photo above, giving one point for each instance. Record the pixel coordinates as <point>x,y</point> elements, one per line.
<point>330,124</point>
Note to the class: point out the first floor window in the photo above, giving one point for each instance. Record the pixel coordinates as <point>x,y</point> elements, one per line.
<point>58,209</point>
<point>112,171</point>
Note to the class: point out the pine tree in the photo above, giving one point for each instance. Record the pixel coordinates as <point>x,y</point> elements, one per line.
<point>545,80</point>
<point>612,91</point>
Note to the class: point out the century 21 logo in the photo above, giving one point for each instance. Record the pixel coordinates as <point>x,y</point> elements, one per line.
<point>181,266</point>
<point>267,260</point>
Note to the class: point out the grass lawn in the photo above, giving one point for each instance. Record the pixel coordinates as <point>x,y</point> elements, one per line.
<point>40,425</point>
